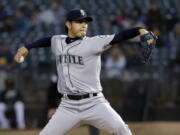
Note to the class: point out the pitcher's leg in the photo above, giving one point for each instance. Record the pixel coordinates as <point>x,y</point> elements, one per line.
<point>61,122</point>
<point>104,117</point>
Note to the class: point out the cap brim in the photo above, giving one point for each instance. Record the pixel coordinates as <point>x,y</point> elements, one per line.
<point>89,19</point>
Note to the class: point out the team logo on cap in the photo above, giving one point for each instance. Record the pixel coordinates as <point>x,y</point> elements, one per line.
<point>82,12</point>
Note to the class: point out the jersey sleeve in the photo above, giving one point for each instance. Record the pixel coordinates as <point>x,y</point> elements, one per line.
<point>53,44</point>
<point>100,43</point>
<point>56,43</point>
<point>43,42</point>
<point>125,35</point>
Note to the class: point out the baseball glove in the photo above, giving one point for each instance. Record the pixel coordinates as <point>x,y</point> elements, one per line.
<point>147,43</point>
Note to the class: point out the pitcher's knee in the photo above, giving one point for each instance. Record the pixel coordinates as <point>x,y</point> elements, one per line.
<point>46,132</point>
<point>121,130</point>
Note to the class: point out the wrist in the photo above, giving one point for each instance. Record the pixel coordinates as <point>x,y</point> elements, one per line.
<point>28,47</point>
<point>143,31</point>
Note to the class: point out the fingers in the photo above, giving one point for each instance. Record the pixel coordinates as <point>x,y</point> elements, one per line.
<point>150,41</point>
<point>21,54</point>
<point>18,58</point>
<point>154,38</point>
<point>23,50</point>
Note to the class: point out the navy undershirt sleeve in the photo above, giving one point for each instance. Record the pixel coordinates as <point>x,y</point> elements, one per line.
<point>43,42</point>
<point>125,35</point>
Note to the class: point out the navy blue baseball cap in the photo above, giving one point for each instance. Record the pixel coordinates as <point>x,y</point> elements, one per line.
<point>77,15</point>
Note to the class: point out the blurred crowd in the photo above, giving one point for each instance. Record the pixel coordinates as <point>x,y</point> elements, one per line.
<point>23,21</point>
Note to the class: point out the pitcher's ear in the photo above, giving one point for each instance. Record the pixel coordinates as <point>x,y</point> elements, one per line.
<point>68,24</point>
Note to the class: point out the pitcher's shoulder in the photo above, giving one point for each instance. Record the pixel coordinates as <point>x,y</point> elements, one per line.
<point>98,36</point>
<point>59,36</point>
<point>90,37</point>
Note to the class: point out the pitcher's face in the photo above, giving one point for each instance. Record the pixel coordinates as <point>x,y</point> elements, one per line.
<point>77,28</point>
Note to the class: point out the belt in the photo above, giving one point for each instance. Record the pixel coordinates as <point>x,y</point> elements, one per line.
<point>79,97</point>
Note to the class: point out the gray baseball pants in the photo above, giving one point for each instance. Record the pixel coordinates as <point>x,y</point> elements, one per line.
<point>94,111</point>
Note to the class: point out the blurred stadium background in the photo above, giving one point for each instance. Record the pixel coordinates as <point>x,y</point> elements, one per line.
<point>138,92</point>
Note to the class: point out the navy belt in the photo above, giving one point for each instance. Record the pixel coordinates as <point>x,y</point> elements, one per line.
<point>79,97</point>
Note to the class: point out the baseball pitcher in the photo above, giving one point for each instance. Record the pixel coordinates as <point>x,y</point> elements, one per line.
<point>78,60</point>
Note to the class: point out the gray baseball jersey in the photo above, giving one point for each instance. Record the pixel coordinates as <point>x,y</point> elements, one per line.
<point>79,63</point>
